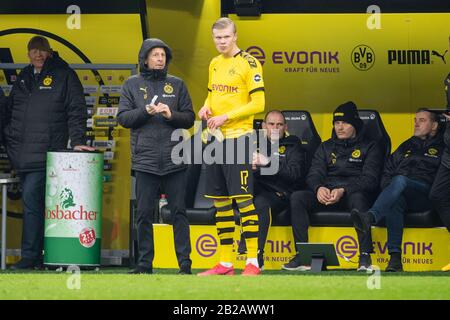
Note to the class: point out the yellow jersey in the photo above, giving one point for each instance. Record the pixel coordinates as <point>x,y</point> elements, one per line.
<point>236,88</point>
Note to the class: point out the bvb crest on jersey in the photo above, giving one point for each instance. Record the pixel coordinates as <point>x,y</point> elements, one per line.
<point>47,81</point>
<point>168,88</point>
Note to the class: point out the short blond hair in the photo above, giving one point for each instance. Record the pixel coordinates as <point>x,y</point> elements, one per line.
<point>223,23</point>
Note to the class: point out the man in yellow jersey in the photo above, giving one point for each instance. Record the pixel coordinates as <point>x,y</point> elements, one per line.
<point>236,94</point>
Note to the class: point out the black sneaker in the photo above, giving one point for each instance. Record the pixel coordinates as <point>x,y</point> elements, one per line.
<point>27,264</point>
<point>295,265</point>
<point>365,262</point>
<point>362,221</point>
<point>185,269</point>
<point>395,263</point>
<point>141,270</point>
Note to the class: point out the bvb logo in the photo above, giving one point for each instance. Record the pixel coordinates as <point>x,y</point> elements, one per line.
<point>168,88</point>
<point>356,154</point>
<point>363,57</point>
<point>282,149</point>
<point>432,151</point>
<point>47,81</point>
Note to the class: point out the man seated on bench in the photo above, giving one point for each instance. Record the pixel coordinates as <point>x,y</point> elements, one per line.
<point>407,178</point>
<point>344,175</point>
<point>272,192</point>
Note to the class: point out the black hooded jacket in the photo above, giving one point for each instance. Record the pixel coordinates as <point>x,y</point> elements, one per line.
<point>292,168</point>
<point>43,113</point>
<point>353,164</point>
<point>151,144</point>
<point>416,159</point>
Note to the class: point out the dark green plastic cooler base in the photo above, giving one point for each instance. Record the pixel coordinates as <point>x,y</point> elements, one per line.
<point>69,251</point>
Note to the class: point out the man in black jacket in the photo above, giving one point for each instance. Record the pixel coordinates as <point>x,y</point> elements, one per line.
<point>46,107</point>
<point>407,178</point>
<point>440,191</point>
<point>272,192</point>
<point>154,104</point>
<point>343,175</point>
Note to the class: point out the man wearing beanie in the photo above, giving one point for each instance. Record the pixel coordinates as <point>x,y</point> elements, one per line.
<point>407,178</point>
<point>344,175</point>
<point>46,108</point>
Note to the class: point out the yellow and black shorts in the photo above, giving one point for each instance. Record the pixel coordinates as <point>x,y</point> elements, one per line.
<point>231,175</point>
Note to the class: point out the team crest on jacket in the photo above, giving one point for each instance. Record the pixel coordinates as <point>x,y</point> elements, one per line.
<point>168,88</point>
<point>356,153</point>
<point>282,150</point>
<point>47,81</point>
<point>432,151</point>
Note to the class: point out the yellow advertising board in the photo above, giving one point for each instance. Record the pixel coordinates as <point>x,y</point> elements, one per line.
<point>316,62</point>
<point>423,249</point>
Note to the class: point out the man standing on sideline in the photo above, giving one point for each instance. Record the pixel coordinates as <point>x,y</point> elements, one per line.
<point>407,178</point>
<point>236,94</point>
<point>46,108</point>
<point>153,105</point>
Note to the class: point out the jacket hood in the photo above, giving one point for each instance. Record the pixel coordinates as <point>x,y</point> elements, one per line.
<point>146,46</point>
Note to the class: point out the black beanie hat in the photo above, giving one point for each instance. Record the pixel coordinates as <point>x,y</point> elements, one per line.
<point>348,112</point>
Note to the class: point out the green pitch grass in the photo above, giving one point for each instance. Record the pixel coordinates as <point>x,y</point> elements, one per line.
<point>114,283</point>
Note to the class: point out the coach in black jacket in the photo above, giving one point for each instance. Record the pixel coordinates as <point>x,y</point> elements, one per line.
<point>46,107</point>
<point>407,178</point>
<point>344,175</point>
<point>272,192</point>
<point>154,104</point>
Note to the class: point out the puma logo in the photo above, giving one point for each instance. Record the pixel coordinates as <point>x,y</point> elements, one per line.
<point>435,53</point>
<point>145,92</point>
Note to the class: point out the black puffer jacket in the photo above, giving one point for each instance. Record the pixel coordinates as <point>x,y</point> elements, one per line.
<point>353,164</point>
<point>416,159</point>
<point>151,144</point>
<point>43,114</point>
<point>292,170</point>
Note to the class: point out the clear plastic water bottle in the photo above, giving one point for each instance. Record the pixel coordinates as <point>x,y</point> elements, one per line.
<point>162,203</point>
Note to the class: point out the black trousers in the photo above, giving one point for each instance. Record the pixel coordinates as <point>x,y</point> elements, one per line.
<point>305,201</point>
<point>33,199</point>
<point>147,187</point>
<point>440,195</point>
<point>268,204</point>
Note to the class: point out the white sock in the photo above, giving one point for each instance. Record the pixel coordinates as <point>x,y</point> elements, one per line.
<point>253,261</point>
<point>226,264</point>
